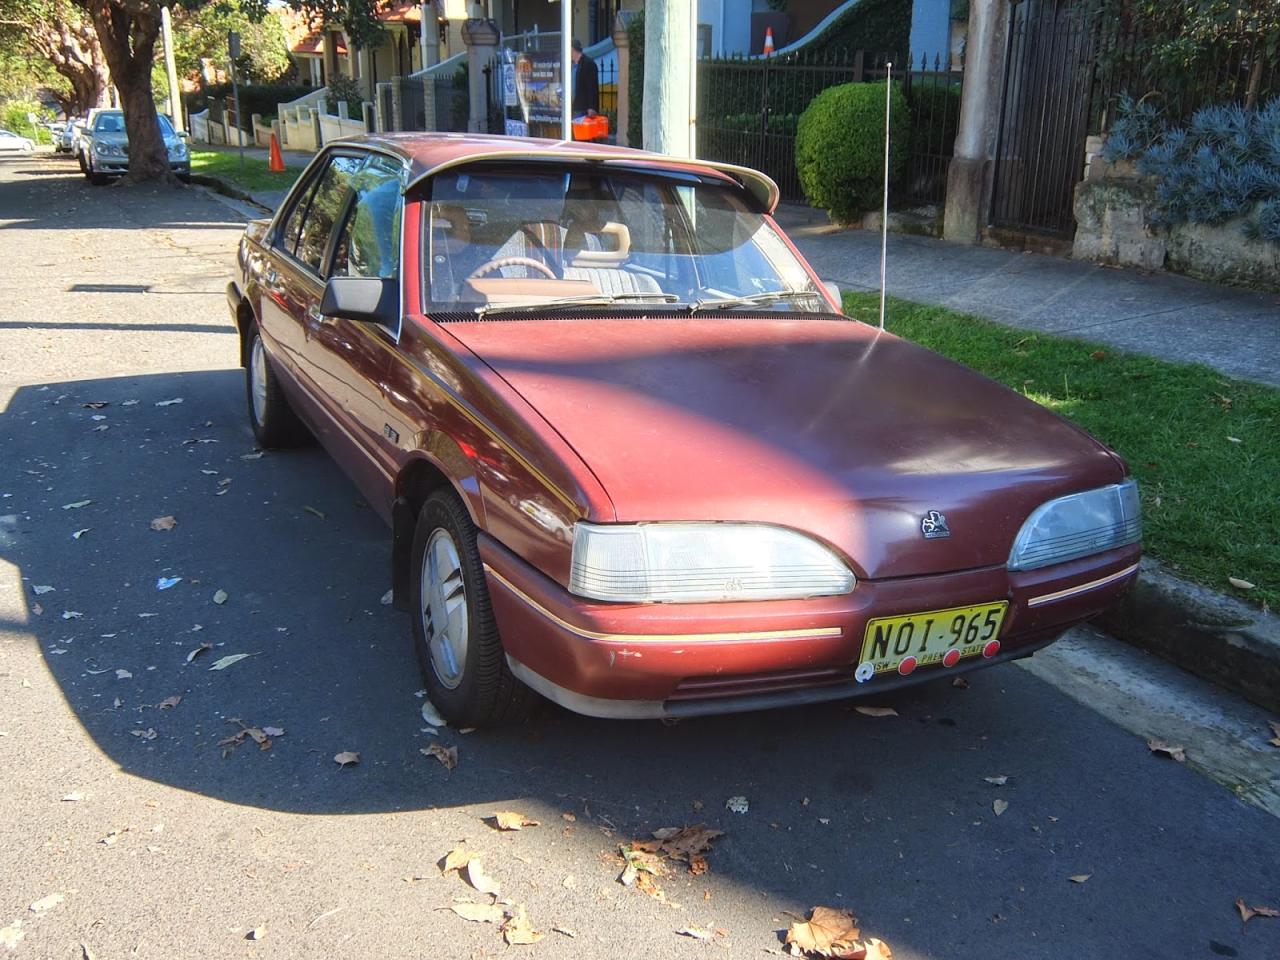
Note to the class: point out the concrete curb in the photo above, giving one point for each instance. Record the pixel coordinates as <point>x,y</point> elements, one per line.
<point>1217,637</point>
<point>227,188</point>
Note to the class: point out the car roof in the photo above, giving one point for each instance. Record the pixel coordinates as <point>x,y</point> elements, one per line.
<point>430,153</point>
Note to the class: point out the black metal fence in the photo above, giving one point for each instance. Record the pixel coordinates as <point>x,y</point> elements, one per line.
<point>1235,68</point>
<point>933,94</point>
<point>749,109</point>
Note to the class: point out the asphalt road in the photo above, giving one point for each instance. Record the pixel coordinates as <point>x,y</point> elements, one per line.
<point>177,847</point>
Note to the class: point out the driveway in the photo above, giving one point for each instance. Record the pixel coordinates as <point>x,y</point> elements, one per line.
<point>133,827</point>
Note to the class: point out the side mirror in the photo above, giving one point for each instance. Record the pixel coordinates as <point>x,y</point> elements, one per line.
<point>833,291</point>
<point>363,299</point>
<point>184,134</point>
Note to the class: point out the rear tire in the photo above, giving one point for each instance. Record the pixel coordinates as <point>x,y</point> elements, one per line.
<point>454,632</point>
<point>275,425</point>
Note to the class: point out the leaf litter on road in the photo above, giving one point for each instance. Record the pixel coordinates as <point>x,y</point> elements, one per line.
<point>1080,877</point>
<point>1160,748</point>
<point>1247,913</point>
<point>76,505</point>
<point>478,912</point>
<point>996,781</point>
<point>448,756</point>
<point>262,736</point>
<point>999,806</point>
<point>46,903</point>
<point>876,711</point>
<point>518,931</point>
<point>1275,729</point>
<point>167,522</point>
<point>646,860</point>
<point>168,703</point>
<point>220,597</point>
<point>346,758</point>
<point>829,932</point>
<point>473,872</point>
<point>204,647</point>
<point>456,859</point>
<point>231,659</point>
<point>511,820</point>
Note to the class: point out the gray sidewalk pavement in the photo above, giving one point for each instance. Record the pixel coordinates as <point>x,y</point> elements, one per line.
<point>1163,315</point>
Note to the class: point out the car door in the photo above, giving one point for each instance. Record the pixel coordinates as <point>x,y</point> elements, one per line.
<point>348,359</point>
<point>285,289</point>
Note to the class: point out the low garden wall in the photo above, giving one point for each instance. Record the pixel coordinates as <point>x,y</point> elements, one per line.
<point>1115,209</point>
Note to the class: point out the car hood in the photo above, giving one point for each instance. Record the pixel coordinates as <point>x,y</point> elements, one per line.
<point>830,427</point>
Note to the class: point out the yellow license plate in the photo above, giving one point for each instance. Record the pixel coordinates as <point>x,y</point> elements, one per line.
<point>904,644</point>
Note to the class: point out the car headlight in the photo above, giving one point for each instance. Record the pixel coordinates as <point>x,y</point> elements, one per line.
<point>699,562</point>
<point>177,150</point>
<point>1079,525</point>
<point>109,149</point>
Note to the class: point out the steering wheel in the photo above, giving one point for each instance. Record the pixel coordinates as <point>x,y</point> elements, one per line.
<point>487,268</point>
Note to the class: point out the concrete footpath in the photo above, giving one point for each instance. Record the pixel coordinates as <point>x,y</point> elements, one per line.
<point>1162,315</point>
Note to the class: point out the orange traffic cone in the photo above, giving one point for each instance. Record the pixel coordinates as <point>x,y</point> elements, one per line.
<point>275,163</point>
<point>768,41</point>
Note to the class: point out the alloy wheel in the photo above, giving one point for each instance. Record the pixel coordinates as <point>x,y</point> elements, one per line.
<point>444,608</point>
<point>258,378</point>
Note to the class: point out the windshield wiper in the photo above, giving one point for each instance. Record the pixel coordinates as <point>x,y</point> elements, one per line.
<point>754,300</point>
<point>583,300</point>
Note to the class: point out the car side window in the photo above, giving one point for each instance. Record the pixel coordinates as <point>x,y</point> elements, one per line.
<point>369,245</point>
<point>326,206</point>
<point>293,222</point>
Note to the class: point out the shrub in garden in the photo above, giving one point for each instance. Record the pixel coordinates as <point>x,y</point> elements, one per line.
<point>1224,163</point>
<point>840,147</point>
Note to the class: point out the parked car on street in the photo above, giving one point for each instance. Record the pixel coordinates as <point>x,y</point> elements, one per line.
<point>104,147</point>
<point>67,138</point>
<point>12,143</point>
<point>633,456</point>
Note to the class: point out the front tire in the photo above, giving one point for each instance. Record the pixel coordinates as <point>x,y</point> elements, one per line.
<point>274,423</point>
<point>454,632</point>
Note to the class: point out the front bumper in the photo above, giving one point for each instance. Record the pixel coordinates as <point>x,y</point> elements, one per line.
<point>660,660</point>
<point>119,166</point>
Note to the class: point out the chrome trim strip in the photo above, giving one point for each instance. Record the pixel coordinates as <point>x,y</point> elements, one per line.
<point>1082,588</point>
<point>758,636</point>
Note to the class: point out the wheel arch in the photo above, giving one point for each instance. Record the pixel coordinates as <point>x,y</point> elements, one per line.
<point>437,463</point>
<point>245,321</point>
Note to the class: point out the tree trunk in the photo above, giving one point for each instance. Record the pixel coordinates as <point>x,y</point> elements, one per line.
<point>1255,79</point>
<point>71,46</point>
<point>128,38</point>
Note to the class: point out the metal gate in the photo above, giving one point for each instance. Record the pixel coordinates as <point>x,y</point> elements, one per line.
<point>1044,117</point>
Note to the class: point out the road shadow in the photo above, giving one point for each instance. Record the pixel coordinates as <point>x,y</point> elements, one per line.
<point>891,814</point>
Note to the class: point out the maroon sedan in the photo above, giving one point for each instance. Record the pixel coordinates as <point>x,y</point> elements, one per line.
<point>632,455</point>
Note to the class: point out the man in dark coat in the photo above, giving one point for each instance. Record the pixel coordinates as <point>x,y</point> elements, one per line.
<point>586,83</point>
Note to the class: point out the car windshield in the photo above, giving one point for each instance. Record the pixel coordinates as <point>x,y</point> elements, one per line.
<point>114,123</point>
<point>517,239</point>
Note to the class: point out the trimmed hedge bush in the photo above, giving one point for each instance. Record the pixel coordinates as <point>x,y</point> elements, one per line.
<point>840,147</point>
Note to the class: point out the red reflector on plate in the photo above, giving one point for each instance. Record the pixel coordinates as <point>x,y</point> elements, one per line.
<point>951,658</point>
<point>907,665</point>
<point>991,649</point>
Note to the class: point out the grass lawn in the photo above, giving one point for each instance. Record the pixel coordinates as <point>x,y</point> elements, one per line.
<point>1204,447</point>
<point>254,175</point>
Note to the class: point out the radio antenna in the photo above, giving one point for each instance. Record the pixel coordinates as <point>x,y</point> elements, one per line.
<point>884,213</point>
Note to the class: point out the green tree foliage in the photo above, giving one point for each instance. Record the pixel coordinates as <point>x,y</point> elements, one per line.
<point>200,35</point>
<point>840,147</point>
<point>50,45</point>
<point>1186,42</point>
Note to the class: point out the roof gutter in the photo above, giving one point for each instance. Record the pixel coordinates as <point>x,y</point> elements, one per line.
<point>756,183</point>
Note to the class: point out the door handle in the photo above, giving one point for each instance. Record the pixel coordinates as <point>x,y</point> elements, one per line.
<point>314,316</point>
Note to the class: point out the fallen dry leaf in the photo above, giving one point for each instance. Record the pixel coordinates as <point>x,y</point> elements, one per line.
<point>697,933</point>
<point>1080,877</point>
<point>73,798</point>
<point>387,598</point>
<point>199,650</point>
<point>223,662</point>
<point>168,403</point>
<point>518,931</point>
<point>960,682</point>
<point>273,731</point>
<point>220,597</point>
<point>11,935</point>
<point>41,589</point>
<point>168,703</point>
<point>511,820</point>
<point>1166,750</point>
<point>123,675</point>
<point>877,711</point>
<point>164,523</point>
<point>314,512</point>
<point>76,505</point>
<point>1275,728</point>
<point>999,806</point>
<point>827,933</point>
<point>256,455</point>
<point>456,859</point>
<point>1241,584</point>
<point>147,734</point>
<point>257,933</point>
<point>346,757</point>
<point>737,805</point>
<point>996,781</point>
<point>479,912</point>
<point>1248,913</point>
<point>473,872</point>
<point>46,903</point>
<point>448,756</point>
<point>431,716</point>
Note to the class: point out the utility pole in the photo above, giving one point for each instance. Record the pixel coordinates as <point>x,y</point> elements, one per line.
<point>670,47</point>
<point>175,93</point>
<point>233,54</point>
